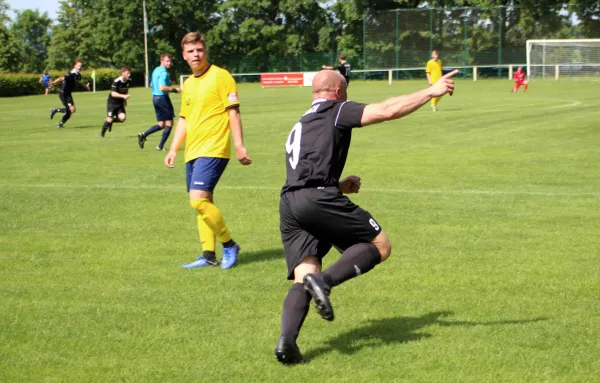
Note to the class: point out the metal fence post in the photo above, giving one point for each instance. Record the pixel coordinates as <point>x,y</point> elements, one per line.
<point>397,43</point>
<point>430,29</point>
<point>500,22</point>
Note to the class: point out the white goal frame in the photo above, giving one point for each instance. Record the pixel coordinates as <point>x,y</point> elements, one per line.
<point>553,42</point>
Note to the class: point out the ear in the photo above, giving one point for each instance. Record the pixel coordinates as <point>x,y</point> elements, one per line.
<point>338,93</point>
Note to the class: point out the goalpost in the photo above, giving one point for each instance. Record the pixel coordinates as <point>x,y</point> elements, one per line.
<point>554,59</point>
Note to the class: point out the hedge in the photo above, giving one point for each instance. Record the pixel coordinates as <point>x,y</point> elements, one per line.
<point>22,84</point>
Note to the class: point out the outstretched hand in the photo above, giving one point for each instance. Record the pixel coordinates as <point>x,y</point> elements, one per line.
<point>444,85</point>
<point>350,185</point>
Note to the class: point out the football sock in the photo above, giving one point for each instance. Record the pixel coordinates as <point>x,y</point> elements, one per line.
<point>210,256</point>
<point>105,127</point>
<point>295,308</point>
<point>66,117</point>
<point>230,243</point>
<point>151,130</point>
<point>211,215</point>
<point>207,237</point>
<point>356,260</point>
<point>165,136</point>
<point>434,101</point>
<point>61,110</point>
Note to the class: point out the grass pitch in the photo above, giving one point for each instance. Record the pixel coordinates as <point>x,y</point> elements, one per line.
<point>492,205</point>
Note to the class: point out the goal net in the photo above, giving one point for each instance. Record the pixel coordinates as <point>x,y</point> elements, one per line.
<point>558,59</point>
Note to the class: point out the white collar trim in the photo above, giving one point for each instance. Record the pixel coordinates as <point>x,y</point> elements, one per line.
<point>319,100</point>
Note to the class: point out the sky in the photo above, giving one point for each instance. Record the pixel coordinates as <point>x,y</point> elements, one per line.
<point>50,6</point>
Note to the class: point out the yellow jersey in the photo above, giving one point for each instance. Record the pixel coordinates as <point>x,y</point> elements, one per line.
<point>205,102</point>
<point>434,68</point>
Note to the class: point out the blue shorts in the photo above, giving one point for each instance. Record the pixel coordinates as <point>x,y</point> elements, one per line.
<point>203,173</point>
<point>163,108</point>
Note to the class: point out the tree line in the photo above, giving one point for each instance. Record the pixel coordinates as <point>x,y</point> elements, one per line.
<point>247,35</point>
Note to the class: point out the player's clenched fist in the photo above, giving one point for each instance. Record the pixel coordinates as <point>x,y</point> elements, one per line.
<point>350,185</point>
<point>444,85</point>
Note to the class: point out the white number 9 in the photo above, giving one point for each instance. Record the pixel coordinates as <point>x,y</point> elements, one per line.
<point>293,147</point>
<point>374,224</point>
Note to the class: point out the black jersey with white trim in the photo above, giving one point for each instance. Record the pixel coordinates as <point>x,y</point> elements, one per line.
<point>344,69</point>
<point>70,80</point>
<point>121,87</point>
<point>317,146</point>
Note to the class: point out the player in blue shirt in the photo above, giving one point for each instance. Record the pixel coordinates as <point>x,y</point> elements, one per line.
<point>45,81</point>
<point>161,87</point>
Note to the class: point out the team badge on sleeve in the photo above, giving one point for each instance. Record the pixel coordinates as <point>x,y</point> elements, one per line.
<point>232,97</point>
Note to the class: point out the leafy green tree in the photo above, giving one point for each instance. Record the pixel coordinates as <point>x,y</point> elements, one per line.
<point>4,8</point>
<point>10,51</point>
<point>32,29</point>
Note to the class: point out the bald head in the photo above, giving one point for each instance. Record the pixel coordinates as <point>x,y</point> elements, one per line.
<point>329,85</point>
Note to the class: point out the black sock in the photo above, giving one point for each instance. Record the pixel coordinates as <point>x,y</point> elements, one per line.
<point>356,260</point>
<point>151,130</point>
<point>165,136</point>
<point>66,117</point>
<point>230,243</point>
<point>61,110</point>
<point>295,308</point>
<point>209,256</point>
<point>105,127</point>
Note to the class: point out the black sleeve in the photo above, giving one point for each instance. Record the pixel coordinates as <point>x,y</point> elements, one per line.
<point>349,115</point>
<point>114,87</point>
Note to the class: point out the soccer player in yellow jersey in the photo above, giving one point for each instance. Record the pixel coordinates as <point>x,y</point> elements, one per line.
<point>434,73</point>
<point>209,116</point>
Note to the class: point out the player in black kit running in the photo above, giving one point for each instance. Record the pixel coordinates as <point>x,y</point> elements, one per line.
<point>314,212</point>
<point>65,93</point>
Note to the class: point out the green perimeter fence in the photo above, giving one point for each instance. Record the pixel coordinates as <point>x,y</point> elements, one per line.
<point>489,38</point>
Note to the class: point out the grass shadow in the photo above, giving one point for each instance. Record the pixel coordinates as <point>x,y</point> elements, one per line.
<point>381,332</point>
<point>260,256</point>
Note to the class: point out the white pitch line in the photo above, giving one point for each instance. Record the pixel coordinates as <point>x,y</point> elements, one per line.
<point>276,189</point>
<point>574,103</point>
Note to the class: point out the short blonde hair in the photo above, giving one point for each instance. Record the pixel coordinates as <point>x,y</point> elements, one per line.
<point>192,38</point>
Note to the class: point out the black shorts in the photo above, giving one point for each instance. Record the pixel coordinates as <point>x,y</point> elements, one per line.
<point>113,110</point>
<point>163,108</point>
<point>66,99</point>
<point>312,220</point>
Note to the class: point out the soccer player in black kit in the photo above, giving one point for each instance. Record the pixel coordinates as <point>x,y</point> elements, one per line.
<point>344,68</point>
<point>314,212</point>
<point>65,93</point>
<point>117,99</point>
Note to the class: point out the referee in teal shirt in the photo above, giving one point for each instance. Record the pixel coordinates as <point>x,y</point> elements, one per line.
<point>161,87</point>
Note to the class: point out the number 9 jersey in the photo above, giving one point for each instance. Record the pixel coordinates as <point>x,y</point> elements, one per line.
<point>317,146</point>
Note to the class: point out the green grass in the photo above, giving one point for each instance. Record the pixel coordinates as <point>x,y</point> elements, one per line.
<point>492,205</point>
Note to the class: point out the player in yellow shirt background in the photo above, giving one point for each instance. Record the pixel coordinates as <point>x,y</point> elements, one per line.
<point>434,73</point>
<point>209,116</point>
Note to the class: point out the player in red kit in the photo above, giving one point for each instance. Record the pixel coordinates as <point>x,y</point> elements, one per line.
<point>519,79</point>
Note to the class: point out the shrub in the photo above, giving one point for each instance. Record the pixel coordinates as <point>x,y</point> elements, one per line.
<point>22,84</point>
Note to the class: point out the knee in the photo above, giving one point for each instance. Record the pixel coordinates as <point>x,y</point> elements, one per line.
<point>199,204</point>
<point>385,250</point>
<point>72,110</point>
<point>122,117</point>
<point>383,244</point>
<point>309,265</point>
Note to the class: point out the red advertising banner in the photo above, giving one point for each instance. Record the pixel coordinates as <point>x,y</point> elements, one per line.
<point>281,79</point>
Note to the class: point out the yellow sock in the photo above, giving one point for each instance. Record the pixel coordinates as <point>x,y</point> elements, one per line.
<point>207,236</point>
<point>211,215</point>
<point>434,101</point>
